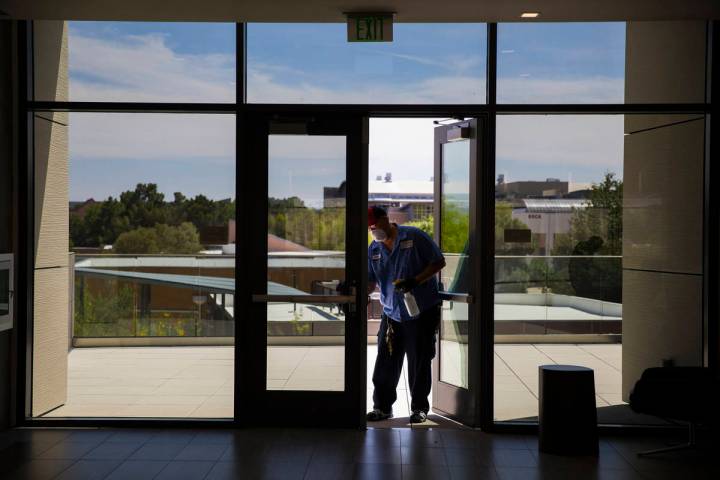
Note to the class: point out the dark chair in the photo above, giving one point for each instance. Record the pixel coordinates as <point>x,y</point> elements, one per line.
<point>690,394</point>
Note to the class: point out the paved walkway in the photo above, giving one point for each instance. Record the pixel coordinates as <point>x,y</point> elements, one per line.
<point>198,381</point>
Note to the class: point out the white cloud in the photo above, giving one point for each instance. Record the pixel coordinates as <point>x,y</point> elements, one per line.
<point>528,89</point>
<point>564,141</point>
<point>144,68</point>
<point>153,136</point>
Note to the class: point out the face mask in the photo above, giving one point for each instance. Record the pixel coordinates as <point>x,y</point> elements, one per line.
<point>379,234</point>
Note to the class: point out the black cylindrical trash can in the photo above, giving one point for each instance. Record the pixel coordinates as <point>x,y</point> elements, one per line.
<point>567,413</point>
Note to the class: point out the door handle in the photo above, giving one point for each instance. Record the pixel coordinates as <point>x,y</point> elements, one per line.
<point>312,299</point>
<point>457,297</point>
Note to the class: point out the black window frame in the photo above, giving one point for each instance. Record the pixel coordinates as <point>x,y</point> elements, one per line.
<point>244,113</point>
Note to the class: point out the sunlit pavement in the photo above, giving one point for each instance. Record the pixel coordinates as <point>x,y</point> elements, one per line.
<point>198,381</point>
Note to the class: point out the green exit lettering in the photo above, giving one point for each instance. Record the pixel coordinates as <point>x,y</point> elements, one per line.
<point>370,28</point>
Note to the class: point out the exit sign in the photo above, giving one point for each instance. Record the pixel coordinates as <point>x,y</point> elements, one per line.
<point>370,27</point>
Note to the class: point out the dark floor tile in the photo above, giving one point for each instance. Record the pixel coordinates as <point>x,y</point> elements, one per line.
<point>129,436</point>
<point>89,470</point>
<point>467,457</point>
<point>172,436</point>
<point>111,451</point>
<point>421,438</point>
<point>523,473</point>
<point>377,454</point>
<point>39,435</point>
<point>425,472</point>
<point>291,453</point>
<point>38,469</point>
<point>157,451</point>
<point>257,452</point>
<point>606,459</point>
<point>210,453</point>
<point>25,450</point>
<point>329,471</point>
<point>422,456</point>
<point>227,471</point>
<point>377,471</point>
<point>334,453</point>
<point>503,441</point>
<point>137,470</point>
<point>381,437</point>
<point>265,470</point>
<point>472,472</point>
<point>68,450</point>
<point>185,471</point>
<point>89,435</point>
<point>459,438</point>
<point>513,458</point>
<point>215,438</point>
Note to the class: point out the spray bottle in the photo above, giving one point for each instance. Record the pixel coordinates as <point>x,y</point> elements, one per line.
<point>410,303</point>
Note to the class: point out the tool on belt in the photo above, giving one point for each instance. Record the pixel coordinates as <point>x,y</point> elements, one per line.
<point>389,337</point>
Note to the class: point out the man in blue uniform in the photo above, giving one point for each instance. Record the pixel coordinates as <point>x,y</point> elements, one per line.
<point>403,259</point>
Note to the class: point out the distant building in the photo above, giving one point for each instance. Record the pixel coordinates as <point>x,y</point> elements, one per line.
<point>547,218</point>
<point>549,188</point>
<point>405,200</point>
<point>80,208</point>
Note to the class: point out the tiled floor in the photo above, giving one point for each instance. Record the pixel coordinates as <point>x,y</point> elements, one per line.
<point>375,454</point>
<point>198,381</point>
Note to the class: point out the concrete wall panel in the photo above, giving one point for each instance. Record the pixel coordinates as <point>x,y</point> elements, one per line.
<point>663,199</point>
<point>662,319</point>
<point>51,192</point>
<point>50,339</point>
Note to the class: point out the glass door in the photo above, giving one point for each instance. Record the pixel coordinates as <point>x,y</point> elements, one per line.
<point>304,242</point>
<point>456,368</point>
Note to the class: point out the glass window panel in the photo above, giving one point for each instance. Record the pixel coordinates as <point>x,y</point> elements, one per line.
<point>314,63</point>
<point>455,215</point>
<point>561,63</point>
<point>611,255</point>
<point>306,255</point>
<point>608,62</point>
<point>457,275</point>
<point>149,200</point>
<point>135,61</point>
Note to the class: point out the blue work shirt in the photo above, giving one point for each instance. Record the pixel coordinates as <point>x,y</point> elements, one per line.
<point>412,252</point>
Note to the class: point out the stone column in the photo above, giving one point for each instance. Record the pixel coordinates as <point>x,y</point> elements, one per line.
<point>50,333</point>
<point>663,200</point>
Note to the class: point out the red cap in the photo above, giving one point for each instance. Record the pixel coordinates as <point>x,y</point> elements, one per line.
<point>375,214</point>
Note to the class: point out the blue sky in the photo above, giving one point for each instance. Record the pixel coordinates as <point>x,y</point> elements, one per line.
<point>301,63</point>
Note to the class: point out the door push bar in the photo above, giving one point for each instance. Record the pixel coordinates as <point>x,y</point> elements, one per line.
<point>457,297</point>
<point>312,299</point>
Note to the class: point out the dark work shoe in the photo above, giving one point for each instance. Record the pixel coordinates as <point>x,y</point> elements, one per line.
<point>418,416</point>
<point>376,415</point>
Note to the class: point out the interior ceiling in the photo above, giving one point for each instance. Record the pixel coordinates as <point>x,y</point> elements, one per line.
<point>332,10</point>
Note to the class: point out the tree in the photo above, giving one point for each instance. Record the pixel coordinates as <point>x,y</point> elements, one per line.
<point>426,224</point>
<point>141,240</point>
<point>601,218</point>
<point>183,239</point>
<point>144,207</point>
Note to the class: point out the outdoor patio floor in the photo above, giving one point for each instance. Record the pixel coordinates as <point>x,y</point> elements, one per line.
<point>197,382</point>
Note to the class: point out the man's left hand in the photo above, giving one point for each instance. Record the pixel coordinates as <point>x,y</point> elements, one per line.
<point>405,285</point>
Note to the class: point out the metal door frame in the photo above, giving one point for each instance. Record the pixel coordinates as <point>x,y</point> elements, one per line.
<point>254,404</point>
<point>453,401</point>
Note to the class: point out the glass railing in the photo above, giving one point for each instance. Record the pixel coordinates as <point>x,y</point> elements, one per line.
<point>153,296</point>
<point>542,295</point>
